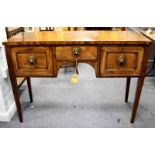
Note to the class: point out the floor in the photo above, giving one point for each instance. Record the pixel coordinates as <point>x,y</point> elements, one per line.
<point>92,103</point>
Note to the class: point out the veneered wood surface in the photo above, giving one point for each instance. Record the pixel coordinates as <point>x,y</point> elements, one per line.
<point>94,64</point>
<point>44,61</point>
<point>133,61</point>
<point>134,46</point>
<point>77,37</point>
<point>66,53</point>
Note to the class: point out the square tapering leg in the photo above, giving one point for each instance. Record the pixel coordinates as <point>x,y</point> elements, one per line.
<point>29,89</point>
<point>128,79</point>
<point>140,82</point>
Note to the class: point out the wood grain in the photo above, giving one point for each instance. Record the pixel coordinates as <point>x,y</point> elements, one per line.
<point>77,37</point>
<point>133,61</point>
<point>65,53</point>
<point>43,56</point>
<point>100,49</point>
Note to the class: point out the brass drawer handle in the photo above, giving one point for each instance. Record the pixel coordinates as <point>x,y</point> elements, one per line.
<point>121,60</point>
<point>76,52</point>
<point>32,60</point>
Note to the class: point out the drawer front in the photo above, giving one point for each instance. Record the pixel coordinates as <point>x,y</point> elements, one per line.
<point>64,53</point>
<point>32,61</point>
<point>121,61</point>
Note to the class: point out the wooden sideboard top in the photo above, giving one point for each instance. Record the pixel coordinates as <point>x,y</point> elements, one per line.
<point>77,37</point>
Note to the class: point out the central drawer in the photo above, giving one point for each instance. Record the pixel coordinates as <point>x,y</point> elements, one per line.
<point>64,53</point>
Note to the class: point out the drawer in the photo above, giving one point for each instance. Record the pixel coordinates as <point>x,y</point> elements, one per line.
<point>121,61</point>
<point>64,53</point>
<point>32,61</point>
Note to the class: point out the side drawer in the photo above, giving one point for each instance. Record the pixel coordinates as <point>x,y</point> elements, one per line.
<point>64,53</point>
<point>121,61</point>
<point>32,61</point>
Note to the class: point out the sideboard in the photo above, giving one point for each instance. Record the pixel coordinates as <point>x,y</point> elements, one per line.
<point>111,54</point>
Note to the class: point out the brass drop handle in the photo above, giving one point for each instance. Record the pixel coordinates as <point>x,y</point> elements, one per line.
<point>76,52</point>
<point>121,60</point>
<point>32,60</point>
<point>74,79</point>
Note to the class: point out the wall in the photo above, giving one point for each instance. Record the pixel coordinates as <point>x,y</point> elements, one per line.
<point>7,103</point>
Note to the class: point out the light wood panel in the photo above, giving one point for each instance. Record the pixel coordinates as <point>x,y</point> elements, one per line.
<point>78,37</point>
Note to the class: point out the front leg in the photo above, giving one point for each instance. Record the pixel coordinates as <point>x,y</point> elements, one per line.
<point>16,96</point>
<point>128,79</point>
<point>140,83</point>
<point>29,89</point>
<point>14,84</point>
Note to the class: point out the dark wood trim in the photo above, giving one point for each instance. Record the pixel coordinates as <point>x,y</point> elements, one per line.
<point>137,97</point>
<point>29,89</point>
<point>10,33</point>
<point>14,84</point>
<point>140,82</point>
<point>128,79</point>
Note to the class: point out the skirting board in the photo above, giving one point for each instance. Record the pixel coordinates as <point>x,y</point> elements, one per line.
<point>6,117</point>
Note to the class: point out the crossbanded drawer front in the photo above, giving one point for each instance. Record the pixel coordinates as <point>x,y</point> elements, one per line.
<point>23,62</point>
<point>64,53</point>
<point>32,61</point>
<point>121,61</point>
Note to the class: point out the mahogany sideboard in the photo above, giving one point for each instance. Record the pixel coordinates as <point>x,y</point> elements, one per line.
<point>110,53</point>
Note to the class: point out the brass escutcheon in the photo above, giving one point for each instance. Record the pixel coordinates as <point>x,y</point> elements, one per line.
<point>32,60</point>
<point>121,60</point>
<point>76,51</point>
